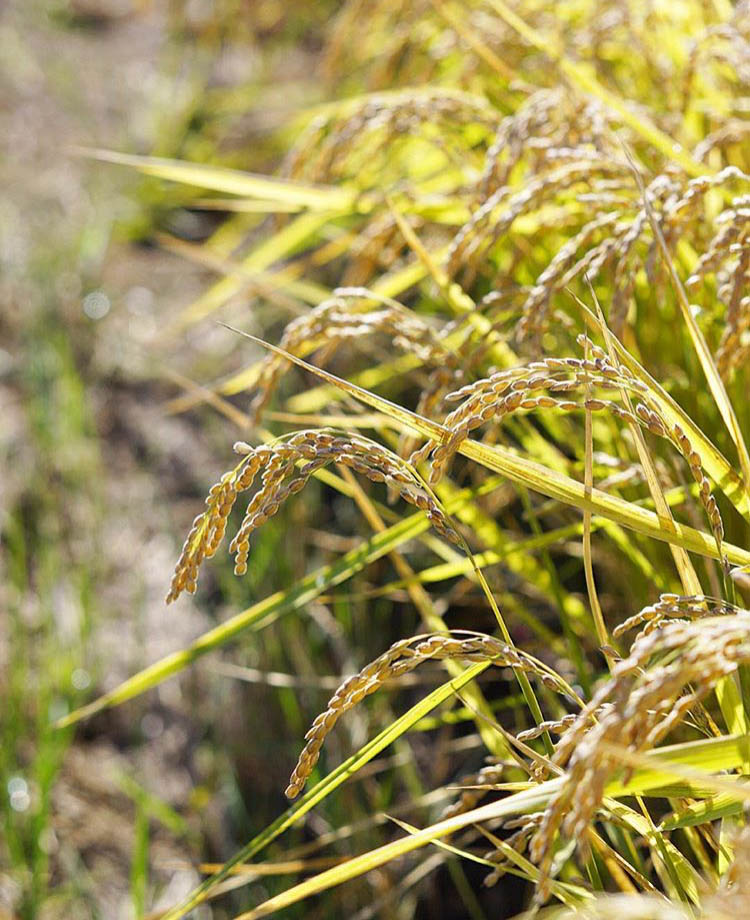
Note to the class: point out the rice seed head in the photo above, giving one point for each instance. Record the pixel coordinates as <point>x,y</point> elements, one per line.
<point>643,700</point>
<point>351,313</point>
<point>330,148</point>
<point>401,657</point>
<point>517,389</point>
<point>674,606</point>
<point>285,467</point>
<point>489,775</point>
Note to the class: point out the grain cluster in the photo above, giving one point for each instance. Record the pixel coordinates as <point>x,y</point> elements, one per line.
<point>667,673</point>
<point>401,657</point>
<point>284,468</point>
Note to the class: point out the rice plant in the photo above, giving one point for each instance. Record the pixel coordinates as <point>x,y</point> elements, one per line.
<point>514,248</point>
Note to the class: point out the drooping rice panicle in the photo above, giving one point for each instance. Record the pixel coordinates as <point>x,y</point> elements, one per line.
<point>667,673</point>
<point>285,466</point>
<point>400,658</point>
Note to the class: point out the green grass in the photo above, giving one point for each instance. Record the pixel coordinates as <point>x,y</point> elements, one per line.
<point>40,657</point>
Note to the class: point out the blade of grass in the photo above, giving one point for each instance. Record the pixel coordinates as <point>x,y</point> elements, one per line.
<point>281,287</point>
<point>271,250</point>
<point>722,805</point>
<point>588,484</point>
<point>246,205</point>
<point>235,182</point>
<point>721,753</point>
<point>684,771</point>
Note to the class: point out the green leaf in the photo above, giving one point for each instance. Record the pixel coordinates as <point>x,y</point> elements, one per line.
<point>236,182</point>
<point>720,753</point>
<point>327,785</point>
<point>719,806</point>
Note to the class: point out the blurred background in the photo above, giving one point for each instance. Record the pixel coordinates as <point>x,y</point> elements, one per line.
<point>99,481</point>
